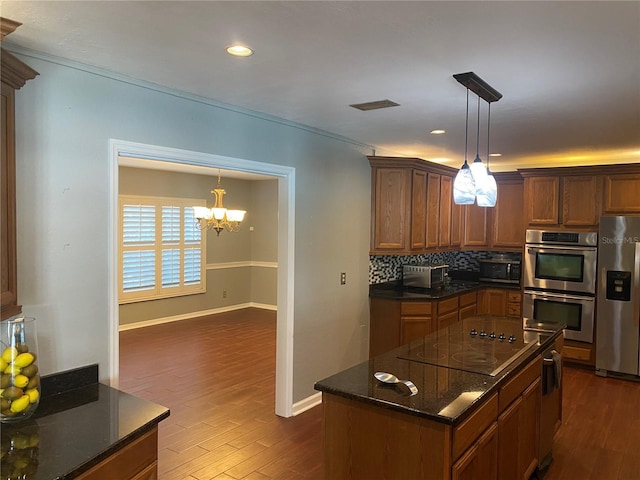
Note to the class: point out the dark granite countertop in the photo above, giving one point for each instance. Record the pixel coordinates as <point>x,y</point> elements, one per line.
<point>73,429</point>
<point>394,290</point>
<point>445,395</point>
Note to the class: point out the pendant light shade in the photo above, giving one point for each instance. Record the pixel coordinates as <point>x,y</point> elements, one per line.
<point>464,188</point>
<point>487,192</point>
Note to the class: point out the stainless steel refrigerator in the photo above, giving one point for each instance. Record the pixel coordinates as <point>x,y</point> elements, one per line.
<point>618,297</point>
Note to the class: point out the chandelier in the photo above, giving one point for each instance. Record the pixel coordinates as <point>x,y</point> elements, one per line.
<point>218,218</point>
<point>475,183</point>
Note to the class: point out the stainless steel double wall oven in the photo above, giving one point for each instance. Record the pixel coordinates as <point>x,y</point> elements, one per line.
<point>560,281</point>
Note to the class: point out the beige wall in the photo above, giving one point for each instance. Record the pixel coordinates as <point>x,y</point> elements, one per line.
<point>245,283</point>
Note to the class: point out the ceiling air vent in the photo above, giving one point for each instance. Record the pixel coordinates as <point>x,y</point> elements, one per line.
<point>375,105</point>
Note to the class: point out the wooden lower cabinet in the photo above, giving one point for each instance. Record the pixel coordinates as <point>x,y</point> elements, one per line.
<point>479,462</point>
<point>498,301</point>
<point>518,433</point>
<point>416,321</point>
<point>136,461</point>
<point>396,322</point>
<point>467,305</point>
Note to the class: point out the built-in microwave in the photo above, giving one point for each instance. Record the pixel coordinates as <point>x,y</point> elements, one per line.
<point>500,270</point>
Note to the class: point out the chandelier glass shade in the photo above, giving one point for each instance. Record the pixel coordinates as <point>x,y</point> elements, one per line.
<point>218,218</point>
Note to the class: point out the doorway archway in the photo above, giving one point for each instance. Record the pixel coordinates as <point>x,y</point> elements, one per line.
<point>286,248</point>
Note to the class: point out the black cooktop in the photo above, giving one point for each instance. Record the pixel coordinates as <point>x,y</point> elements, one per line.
<point>480,344</point>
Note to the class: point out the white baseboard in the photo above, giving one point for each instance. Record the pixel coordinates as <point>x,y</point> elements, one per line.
<point>190,315</point>
<point>307,403</point>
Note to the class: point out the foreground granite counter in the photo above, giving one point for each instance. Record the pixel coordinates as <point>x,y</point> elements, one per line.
<point>76,426</point>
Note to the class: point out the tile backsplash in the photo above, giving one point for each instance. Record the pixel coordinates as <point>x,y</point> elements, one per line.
<point>386,268</point>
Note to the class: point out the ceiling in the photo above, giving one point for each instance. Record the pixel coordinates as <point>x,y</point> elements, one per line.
<point>569,72</point>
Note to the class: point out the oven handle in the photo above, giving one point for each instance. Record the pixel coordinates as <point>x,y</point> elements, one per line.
<point>569,249</point>
<point>557,295</point>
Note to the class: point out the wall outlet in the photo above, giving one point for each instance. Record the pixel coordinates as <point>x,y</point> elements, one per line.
<point>224,294</point>
<point>343,278</point>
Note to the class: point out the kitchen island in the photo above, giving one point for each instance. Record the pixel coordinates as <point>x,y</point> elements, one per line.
<point>476,414</point>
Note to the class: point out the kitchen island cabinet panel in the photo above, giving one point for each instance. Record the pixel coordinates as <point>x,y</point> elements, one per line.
<point>479,463</point>
<point>413,446</point>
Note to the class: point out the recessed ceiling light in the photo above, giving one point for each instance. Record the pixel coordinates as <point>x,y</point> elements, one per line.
<point>437,132</point>
<point>495,154</point>
<point>239,50</point>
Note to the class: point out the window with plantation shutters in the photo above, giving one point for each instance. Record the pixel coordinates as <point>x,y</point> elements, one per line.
<point>161,248</point>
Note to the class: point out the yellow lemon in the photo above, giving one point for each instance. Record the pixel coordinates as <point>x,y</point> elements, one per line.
<point>3,364</point>
<point>9,354</point>
<point>20,404</point>
<point>20,381</point>
<point>23,360</point>
<point>33,394</point>
<point>12,370</point>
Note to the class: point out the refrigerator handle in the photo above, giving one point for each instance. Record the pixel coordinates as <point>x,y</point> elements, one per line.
<point>636,286</point>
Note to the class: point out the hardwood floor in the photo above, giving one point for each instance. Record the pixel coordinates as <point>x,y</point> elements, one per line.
<point>217,375</point>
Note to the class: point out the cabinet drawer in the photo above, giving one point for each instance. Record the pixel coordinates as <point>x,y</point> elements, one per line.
<point>133,459</point>
<point>449,305</point>
<point>577,353</point>
<point>468,299</point>
<point>514,387</point>
<point>514,297</point>
<point>513,309</point>
<point>466,433</point>
<point>415,308</point>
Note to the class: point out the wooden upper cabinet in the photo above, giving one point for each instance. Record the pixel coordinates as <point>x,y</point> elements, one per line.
<point>390,204</point>
<point>475,226</point>
<point>14,74</point>
<point>581,200</point>
<point>446,199</point>
<point>433,210</point>
<point>622,193</point>
<point>418,209</point>
<point>457,224</point>
<point>507,216</point>
<point>541,197</point>
<point>410,209</point>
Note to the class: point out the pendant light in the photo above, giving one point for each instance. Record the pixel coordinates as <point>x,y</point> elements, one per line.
<point>484,190</point>
<point>464,187</point>
<point>487,192</point>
